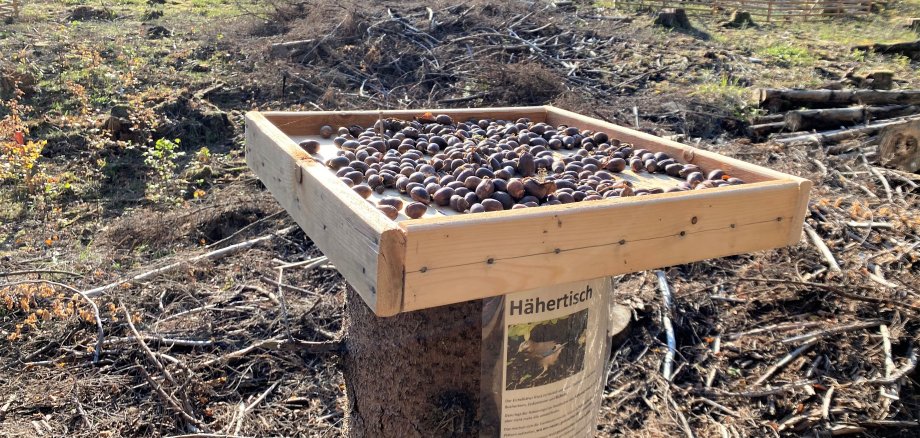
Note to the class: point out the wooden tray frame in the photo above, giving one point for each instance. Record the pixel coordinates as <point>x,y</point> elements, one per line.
<point>429,262</point>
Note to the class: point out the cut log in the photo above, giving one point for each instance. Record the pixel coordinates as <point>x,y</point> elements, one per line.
<point>910,49</point>
<point>769,118</point>
<point>838,135</point>
<point>673,19</point>
<point>777,99</point>
<point>804,120</point>
<point>764,129</point>
<point>898,146</point>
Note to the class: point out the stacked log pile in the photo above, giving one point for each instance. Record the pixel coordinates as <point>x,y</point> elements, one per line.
<point>887,118</point>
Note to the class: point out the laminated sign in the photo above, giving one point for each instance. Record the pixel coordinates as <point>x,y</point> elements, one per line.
<point>544,353</point>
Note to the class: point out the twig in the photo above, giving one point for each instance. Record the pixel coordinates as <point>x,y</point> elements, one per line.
<point>908,367</point>
<point>718,406</point>
<point>773,328</point>
<point>38,271</point>
<point>239,420</point>
<point>839,290</point>
<point>284,311</point>
<point>794,354</point>
<point>832,330</point>
<point>170,400</point>
<point>310,263</point>
<point>884,396</point>
<point>759,392</point>
<point>6,406</point>
<point>209,256</point>
<point>822,248</point>
<point>267,343</point>
<point>666,320</point>
<point>826,402</point>
<point>287,287</point>
<point>683,420</point>
<point>855,224</point>
<point>248,226</point>
<point>170,342</point>
<point>878,175</point>
<point>143,345</point>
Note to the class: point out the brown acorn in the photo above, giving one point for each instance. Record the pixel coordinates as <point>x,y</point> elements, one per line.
<point>416,210</point>
<point>388,210</point>
<point>311,146</point>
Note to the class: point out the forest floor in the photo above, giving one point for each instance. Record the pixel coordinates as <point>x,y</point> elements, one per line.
<point>131,159</point>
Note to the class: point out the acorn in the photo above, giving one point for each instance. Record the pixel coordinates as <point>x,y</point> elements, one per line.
<point>688,169</point>
<point>363,190</point>
<point>485,188</point>
<point>443,196</point>
<point>538,189</point>
<point>392,201</point>
<point>444,119</point>
<point>673,169</point>
<point>693,179</point>
<point>477,208</point>
<point>615,165</point>
<point>337,162</point>
<point>716,174</point>
<point>416,210</point>
<point>325,131</point>
<point>636,165</point>
<point>459,204</point>
<point>420,195</point>
<point>515,188</point>
<point>311,146</point>
<point>388,210</point>
<point>492,205</point>
<point>526,165</point>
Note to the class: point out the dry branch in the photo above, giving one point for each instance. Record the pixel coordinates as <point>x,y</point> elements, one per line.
<point>822,248</point>
<point>785,360</point>
<point>209,256</point>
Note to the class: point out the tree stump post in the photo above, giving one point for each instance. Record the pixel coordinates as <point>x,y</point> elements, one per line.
<point>416,374</point>
<point>899,146</point>
<point>673,18</point>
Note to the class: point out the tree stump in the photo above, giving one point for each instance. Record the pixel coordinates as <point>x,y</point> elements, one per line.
<point>416,374</point>
<point>898,146</point>
<point>673,19</point>
<point>879,80</point>
<point>739,19</point>
<point>914,24</point>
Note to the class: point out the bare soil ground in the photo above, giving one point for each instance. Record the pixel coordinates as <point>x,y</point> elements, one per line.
<point>130,159</point>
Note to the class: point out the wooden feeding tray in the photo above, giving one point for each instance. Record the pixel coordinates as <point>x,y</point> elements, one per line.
<point>444,257</point>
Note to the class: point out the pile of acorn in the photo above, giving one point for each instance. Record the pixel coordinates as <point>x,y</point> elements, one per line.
<point>493,165</point>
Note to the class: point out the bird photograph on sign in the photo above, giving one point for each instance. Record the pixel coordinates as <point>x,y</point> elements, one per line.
<point>545,352</point>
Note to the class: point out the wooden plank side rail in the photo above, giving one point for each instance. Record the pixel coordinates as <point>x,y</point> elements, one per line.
<point>355,236</point>
<point>445,259</point>
<point>448,258</point>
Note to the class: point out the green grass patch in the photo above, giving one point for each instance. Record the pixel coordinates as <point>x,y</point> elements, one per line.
<point>788,54</point>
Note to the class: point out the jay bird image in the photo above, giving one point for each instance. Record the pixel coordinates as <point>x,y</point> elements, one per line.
<point>546,353</point>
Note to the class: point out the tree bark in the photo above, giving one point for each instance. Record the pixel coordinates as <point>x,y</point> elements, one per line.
<point>898,146</point>
<point>416,374</point>
<point>779,99</point>
<point>804,120</point>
